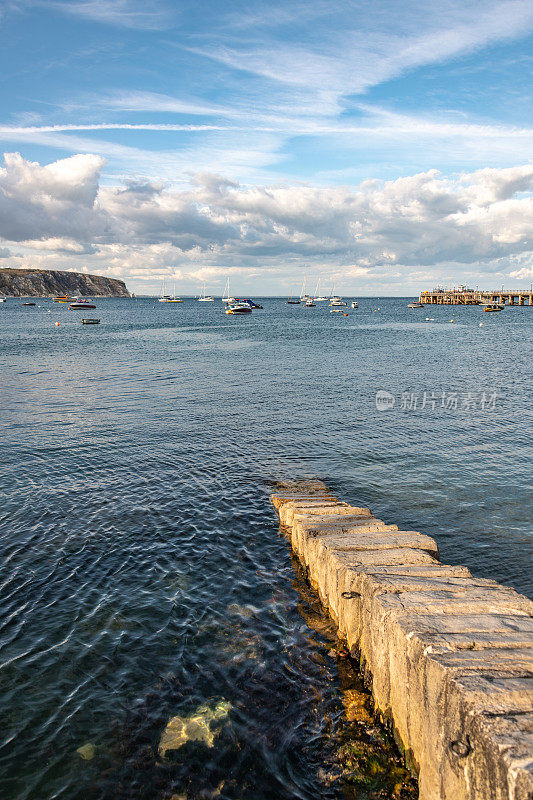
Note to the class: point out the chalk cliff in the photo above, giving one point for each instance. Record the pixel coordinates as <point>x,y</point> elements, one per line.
<point>51,282</point>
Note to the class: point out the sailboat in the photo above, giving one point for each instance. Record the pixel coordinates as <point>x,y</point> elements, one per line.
<point>303,296</point>
<point>164,298</point>
<point>335,300</point>
<point>293,301</point>
<point>174,299</point>
<point>226,298</point>
<point>205,298</point>
<point>318,298</point>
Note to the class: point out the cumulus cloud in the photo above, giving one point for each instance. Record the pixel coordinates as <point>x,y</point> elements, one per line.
<point>56,200</point>
<point>474,221</point>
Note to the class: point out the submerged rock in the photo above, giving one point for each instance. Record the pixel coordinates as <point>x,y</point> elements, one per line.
<point>196,727</point>
<point>87,751</point>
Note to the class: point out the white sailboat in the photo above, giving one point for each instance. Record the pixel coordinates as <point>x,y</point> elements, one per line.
<point>303,296</point>
<point>318,298</point>
<point>205,298</point>
<point>335,300</point>
<point>174,299</point>
<point>164,298</point>
<point>226,298</point>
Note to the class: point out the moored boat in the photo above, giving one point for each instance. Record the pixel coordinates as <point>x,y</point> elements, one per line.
<point>89,321</point>
<point>416,304</point>
<point>337,302</point>
<point>249,302</point>
<point>28,304</point>
<point>355,304</point>
<point>238,308</point>
<point>226,297</point>
<point>492,307</point>
<point>80,305</point>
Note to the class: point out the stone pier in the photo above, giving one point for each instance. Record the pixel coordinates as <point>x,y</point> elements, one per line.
<point>449,655</point>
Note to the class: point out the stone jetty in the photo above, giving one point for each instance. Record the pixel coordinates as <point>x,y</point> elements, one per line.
<point>449,656</point>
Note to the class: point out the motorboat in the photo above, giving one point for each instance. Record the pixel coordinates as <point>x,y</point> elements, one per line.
<point>492,307</point>
<point>28,304</point>
<point>2,299</point>
<point>80,305</point>
<point>63,298</point>
<point>339,310</point>
<point>416,304</point>
<point>238,308</point>
<point>89,321</point>
<point>248,302</point>
<point>310,303</point>
<point>337,302</point>
<point>355,304</point>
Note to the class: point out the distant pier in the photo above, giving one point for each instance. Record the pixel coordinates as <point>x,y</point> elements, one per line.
<point>449,655</point>
<point>476,297</point>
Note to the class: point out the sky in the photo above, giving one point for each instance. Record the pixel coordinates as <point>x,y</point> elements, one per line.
<point>383,145</point>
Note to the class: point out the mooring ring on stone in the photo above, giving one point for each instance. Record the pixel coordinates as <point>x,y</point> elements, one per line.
<point>461,749</point>
<point>350,595</point>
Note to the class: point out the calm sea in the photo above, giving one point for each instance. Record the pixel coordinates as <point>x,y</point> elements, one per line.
<point>143,578</point>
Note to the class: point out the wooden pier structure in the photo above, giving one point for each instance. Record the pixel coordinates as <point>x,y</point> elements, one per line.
<point>475,297</point>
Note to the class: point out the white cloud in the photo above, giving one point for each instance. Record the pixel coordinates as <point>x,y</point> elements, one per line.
<point>365,49</point>
<point>475,221</point>
<point>525,273</point>
<point>147,15</point>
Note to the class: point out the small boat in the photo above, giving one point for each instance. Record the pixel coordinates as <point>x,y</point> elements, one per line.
<point>492,307</point>
<point>337,302</point>
<point>339,310</point>
<point>205,298</point>
<point>226,297</point>
<point>355,304</point>
<point>248,302</point>
<point>89,321</point>
<point>416,304</point>
<point>28,304</point>
<point>293,301</point>
<point>310,303</point>
<point>238,308</point>
<point>80,305</point>
<point>62,298</point>
<point>318,298</point>
<point>2,299</point>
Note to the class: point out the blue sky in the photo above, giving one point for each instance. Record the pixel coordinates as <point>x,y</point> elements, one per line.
<point>387,144</point>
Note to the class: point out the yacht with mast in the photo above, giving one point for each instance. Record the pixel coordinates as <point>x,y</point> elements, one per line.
<point>293,301</point>
<point>205,298</point>
<point>226,297</point>
<point>318,298</point>
<point>335,301</point>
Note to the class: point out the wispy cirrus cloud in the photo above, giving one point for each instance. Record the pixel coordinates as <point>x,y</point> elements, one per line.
<point>147,15</point>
